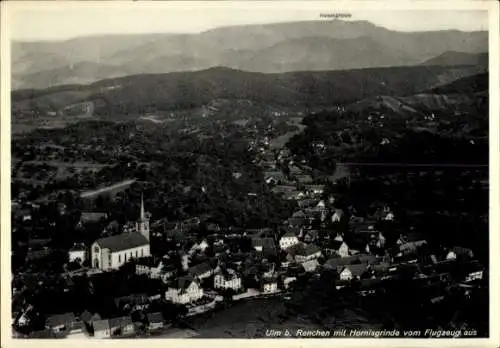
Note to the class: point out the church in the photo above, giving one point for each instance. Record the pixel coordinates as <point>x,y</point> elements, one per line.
<point>110,253</point>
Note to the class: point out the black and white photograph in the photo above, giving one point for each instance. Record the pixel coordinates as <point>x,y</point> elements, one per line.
<point>248,170</point>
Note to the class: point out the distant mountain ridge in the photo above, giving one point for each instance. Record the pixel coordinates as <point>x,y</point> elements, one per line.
<point>146,93</point>
<point>450,58</point>
<point>270,48</point>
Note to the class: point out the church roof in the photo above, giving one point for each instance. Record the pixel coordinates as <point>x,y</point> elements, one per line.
<point>123,241</point>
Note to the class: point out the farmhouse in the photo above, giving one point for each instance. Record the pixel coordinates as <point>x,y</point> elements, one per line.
<point>184,290</point>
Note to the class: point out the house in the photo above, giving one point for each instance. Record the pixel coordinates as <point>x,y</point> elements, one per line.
<point>473,271</point>
<point>274,177</point>
<point>60,322</point>
<point>311,265</point>
<point>78,253</point>
<point>311,236</point>
<point>321,205</point>
<point>309,252</point>
<point>306,203</point>
<point>335,262</point>
<point>202,270</point>
<point>122,326</point>
<point>88,216</point>
<point>315,189</point>
<point>259,243</point>
<point>462,253</point>
<point>101,328</point>
<point>202,246</point>
<point>227,280</point>
<point>184,290</point>
<point>149,266</point>
<point>339,237</point>
<point>451,255</point>
<point>269,285</point>
<point>77,330</point>
<point>338,247</point>
<point>337,215</point>
<point>132,302</point>
<point>156,321</point>
<point>88,318</point>
<point>407,247</point>
<point>283,189</point>
<point>288,240</point>
<point>351,271</point>
<point>288,281</point>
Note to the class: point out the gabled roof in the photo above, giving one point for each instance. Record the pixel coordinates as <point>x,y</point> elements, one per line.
<point>200,269</point>
<point>335,244</point>
<point>123,241</point>
<point>88,216</point>
<point>461,250</point>
<point>356,270</point>
<point>310,249</point>
<point>412,245</point>
<point>311,263</point>
<point>267,242</point>
<point>299,213</point>
<point>78,247</point>
<point>343,261</point>
<point>289,234</point>
<point>183,283</point>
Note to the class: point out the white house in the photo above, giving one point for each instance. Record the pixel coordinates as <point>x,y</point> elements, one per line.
<point>228,280</point>
<point>451,255</point>
<point>380,240</point>
<point>351,271</point>
<point>269,286</point>
<point>321,204</point>
<point>311,265</point>
<point>342,250</point>
<point>287,281</point>
<point>389,216</point>
<point>78,253</point>
<point>337,216</point>
<point>202,270</point>
<point>474,275</point>
<point>288,240</point>
<point>310,252</point>
<point>202,246</point>
<point>185,290</point>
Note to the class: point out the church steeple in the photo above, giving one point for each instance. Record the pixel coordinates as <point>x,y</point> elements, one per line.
<point>143,216</point>
<point>142,225</point>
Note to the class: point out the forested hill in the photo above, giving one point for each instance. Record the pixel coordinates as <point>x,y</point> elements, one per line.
<point>176,91</point>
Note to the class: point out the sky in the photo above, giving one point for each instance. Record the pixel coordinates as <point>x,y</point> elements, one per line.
<point>57,22</point>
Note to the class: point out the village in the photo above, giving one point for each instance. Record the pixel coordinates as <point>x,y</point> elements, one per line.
<point>201,273</point>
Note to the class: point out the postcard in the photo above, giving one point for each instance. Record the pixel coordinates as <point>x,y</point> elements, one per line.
<point>235,173</point>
